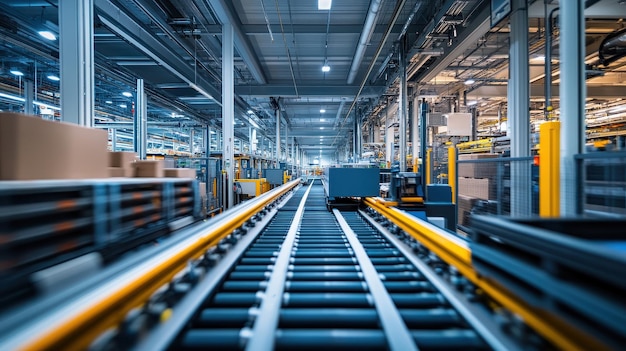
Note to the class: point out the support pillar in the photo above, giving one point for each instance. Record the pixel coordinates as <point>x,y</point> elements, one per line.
<point>76,61</point>
<point>113,139</point>
<point>402,107</point>
<point>140,121</point>
<point>277,138</point>
<point>415,134</point>
<point>423,137</point>
<point>573,95</point>
<point>228,111</point>
<point>29,96</point>
<point>519,119</point>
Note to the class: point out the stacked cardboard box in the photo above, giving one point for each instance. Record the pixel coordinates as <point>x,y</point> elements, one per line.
<point>34,148</point>
<point>481,188</point>
<point>180,173</point>
<point>121,164</point>
<point>149,168</point>
<point>477,169</point>
<point>464,207</point>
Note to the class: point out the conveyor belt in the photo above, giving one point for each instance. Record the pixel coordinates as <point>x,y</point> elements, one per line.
<point>325,280</point>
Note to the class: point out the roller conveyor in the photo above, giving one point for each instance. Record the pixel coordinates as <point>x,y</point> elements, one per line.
<point>279,273</point>
<point>325,279</point>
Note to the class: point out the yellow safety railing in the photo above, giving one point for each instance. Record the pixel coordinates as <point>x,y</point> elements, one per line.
<point>455,252</point>
<point>452,171</point>
<point>549,169</point>
<point>78,330</point>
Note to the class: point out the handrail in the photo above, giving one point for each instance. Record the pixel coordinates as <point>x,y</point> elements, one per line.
<point>457,253</point>
<point>76,325</point>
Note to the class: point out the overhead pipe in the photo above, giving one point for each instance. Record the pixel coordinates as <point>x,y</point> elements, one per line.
<point>396,13</point>
<point>548,59</point>
<point>405,27</point>
<point>366,35</point>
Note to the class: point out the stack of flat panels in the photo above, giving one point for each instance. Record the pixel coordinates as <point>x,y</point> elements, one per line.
<point>570,268</point>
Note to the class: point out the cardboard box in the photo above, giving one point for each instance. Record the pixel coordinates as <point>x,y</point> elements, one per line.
<point>478,169</point>
<point>34,148</point>
<point>149,168</point>
<point>122,159</point>
<point>115,172</point>
<point>481,188</point>
<point>180,173</point>
<point>464,206</point>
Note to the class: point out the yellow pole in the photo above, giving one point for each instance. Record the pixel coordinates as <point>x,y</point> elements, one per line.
<point>549,169</point>
<point>426,164</point>
<point>452,171</point>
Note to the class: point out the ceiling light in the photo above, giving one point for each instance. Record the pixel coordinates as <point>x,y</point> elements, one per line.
<point>321,127</point>
<point>322,111</point>
<point>123,106</point>
<point>108,102</point>
<point>472,103</point>
<point>322,120</point>
<point>250,112</point>
<point>324,4</point>
<point>127,94</point>
<point>326,68</point>
<point>16,72</point>
<point>48,35</point>
<point>54,78</point>
<point>470,82</point>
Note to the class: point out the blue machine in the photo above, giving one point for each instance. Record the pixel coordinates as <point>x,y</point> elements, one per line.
<point>351,182</point>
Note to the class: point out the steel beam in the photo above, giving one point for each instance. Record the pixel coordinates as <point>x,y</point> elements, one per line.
<point>226,14</point>
<point>76,61</point>
<point>286,91</point>
<point>124,26</point>
<point>228,110</point>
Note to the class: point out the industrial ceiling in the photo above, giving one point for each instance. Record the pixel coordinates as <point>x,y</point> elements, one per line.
<point>281,47</point>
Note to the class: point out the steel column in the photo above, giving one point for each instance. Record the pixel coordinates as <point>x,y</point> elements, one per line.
<point>29,91</point>
<point>76,61</point>
<point>277,137</point>
<point>140,121</point>
<point>423,137</point>
<point>415,134</point>
<point>572,94</point>
<point>519,119</point>
<point>228,110</point>
<point>402,107</point>
<point>113,139</point>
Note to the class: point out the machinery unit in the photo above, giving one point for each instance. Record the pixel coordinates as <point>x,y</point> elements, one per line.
<point>406,189</point>
<point>343,182</point>
<point>274,176</point>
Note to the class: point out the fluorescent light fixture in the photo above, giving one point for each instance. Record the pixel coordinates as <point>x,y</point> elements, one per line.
<point>326,68</point>
<point>48,35</point>
<point>127,94</point>
<point>123,106</point>
<point>469,82</point>
<point>16,72</point>
<point>54,78</point>
<point>108,102</point>
<point>321,127</point>
<point>324,4</point>
<point>322,111</point>
<point>322,120</point>
<point>21,99</point>
<point>472,103</point>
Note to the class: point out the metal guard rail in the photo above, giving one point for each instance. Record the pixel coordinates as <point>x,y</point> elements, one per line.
<point>457,253</point>
<point>76,325</point>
